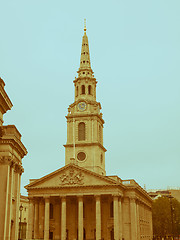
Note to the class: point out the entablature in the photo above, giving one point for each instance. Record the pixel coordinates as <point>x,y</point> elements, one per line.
<point>71,117</point>
<point>11,136</point>
<point>84,144</point>
<point>86,78</point>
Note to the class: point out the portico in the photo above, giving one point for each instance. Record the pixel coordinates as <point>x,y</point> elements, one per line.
<point>98,207</point>
<point>80,207</point>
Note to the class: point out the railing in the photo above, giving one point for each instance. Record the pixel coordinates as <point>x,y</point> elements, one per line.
<point>130,182</point>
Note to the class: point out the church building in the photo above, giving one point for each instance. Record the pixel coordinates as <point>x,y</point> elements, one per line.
<point>79,201</point>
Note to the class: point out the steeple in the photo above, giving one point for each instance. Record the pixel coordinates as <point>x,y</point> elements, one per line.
<point>85,64</point>
<point>84,144</point>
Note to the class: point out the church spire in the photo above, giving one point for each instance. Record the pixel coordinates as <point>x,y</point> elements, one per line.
<point>85,56</point>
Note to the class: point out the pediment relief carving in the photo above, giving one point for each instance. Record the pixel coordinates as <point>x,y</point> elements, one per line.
<point>72,177</point>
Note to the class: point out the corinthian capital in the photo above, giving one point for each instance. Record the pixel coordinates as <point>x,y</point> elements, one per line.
<point>5,159</point>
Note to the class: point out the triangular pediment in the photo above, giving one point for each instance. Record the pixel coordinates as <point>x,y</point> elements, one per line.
<point>71,176</point>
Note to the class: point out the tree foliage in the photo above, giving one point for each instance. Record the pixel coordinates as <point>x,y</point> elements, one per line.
<point>166,217</point>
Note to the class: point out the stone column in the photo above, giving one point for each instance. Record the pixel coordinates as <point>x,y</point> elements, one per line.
<point>63,218</point>
<point>30,219</point>
<point>16,225</point>
<point>138,220</point>
<point>46,220</point>
<point>151,223</point>
<point>36,219</point>
<point>120,218</point>
<point>98,217</point>
<point>4,196</point>
<point>116,217</point>
<point>41,218</point>
<point>10,201</point>
<point>133,215</point>
<point>80,217</point>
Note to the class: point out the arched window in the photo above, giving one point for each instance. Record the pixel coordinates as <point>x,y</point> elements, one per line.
<point>82,89</point>
<point>111,209</point>
<point>89,89</point>
<point>81,131</point>
<point>76,91</point>
<point>51,211</point>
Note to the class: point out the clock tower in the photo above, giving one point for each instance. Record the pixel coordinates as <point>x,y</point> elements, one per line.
<point>84,145</point>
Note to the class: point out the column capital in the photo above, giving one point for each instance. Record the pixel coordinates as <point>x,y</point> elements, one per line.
<point>97,196</point>
<point>47,198</point>
<point>133,199</point>
<point>31,199</point>
<point>80,197</point>
<point>116,195</point>
<point>41,201</point>
<point>36,199</point>
<point>63,198</point>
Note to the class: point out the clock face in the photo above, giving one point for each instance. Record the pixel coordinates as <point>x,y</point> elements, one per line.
<point>82,106</point>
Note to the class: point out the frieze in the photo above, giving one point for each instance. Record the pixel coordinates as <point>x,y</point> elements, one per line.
<point>72,178</point>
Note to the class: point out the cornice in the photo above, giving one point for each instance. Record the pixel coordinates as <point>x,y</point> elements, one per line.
<point>77,186</point>
<point>92,102</point>
<point>85,115</point>
<point>15,143</point>
<point>140,191</point>
<point>86,144</point>
<point>5,102</point>
<point>89,78</point>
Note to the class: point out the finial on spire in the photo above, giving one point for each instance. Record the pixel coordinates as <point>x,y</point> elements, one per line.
<point>84,25</point>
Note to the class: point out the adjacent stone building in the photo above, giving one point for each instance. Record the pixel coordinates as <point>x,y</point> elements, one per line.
<point>23,216</point>
<point>79,201</point>
<point>11,153</point>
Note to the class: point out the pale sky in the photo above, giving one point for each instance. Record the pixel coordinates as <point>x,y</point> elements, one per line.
<point>135,55</point>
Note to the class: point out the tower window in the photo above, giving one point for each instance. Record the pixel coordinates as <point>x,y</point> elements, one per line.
<point>81,156</point>
<point>76,91</point>
<point>81,131</point>
<point>83,89</point>
<point>83,61</point>
<point>89,89</point>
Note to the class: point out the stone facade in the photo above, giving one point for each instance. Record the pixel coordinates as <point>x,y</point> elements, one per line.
<point>11,153</point>
<point>79,201</point>
<point>23,216</point>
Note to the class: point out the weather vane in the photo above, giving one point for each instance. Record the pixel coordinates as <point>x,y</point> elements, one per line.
<point>84,24</point>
